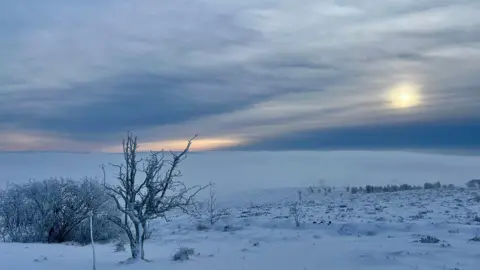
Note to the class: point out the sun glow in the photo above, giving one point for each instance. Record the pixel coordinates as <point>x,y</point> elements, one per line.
<point>404,96</point>
<point>178,145</point>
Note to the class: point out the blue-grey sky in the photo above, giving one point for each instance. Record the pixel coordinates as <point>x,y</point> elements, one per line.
<point>252,74</point>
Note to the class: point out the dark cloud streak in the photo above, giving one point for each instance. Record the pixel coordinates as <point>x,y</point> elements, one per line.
<point>443,135</point>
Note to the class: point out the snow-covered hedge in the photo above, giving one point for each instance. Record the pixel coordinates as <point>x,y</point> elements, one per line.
<point>55,210</point>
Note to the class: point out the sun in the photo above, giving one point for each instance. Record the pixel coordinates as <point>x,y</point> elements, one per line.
<point>404,96</point>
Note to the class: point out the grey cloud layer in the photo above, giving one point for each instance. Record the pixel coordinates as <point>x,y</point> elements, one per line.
<point>453,134</point>
<point>256,69</point>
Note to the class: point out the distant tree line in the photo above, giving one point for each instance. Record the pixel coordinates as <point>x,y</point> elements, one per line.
<point>396,188</point>
<point>324,189</point>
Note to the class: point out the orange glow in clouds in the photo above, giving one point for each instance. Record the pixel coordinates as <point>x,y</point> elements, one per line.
<point>178,145</point>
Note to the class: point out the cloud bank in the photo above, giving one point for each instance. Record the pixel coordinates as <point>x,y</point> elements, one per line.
<point>75,76</point>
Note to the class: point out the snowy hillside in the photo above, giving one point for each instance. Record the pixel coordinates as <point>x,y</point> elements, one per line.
<point>420,229</point>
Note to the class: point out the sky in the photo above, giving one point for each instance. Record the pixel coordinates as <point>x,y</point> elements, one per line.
<point>245,75</point>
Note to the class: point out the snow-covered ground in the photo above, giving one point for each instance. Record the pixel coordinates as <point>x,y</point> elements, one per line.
<point>367,231</point>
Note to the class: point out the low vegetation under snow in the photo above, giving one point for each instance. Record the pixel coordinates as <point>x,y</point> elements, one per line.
<point>416,229</point>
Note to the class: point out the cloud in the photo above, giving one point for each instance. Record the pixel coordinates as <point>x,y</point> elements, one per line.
<point>85,73</point>
<point>445,135</point>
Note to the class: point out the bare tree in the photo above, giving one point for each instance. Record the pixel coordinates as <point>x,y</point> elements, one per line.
<point>157,193</point>
<point>297,213</point>
<point>209,211</point>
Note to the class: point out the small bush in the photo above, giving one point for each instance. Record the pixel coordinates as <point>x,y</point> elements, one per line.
<point>202,227</point>
<point>474,183</point>
<point>183,254</point>
<point>454,231</point>
<point>119,246</point>
<point>429,240</point>
<point>233,228</point>
<point>475,239</point>
<point>41,259</point>
<point>208,212</point>
<point>297,214</point>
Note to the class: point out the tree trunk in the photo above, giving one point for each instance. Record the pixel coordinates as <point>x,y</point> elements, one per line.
<point>134,249</point>
<point>140,236</point>
<point>126,216</point>
<point>136,242</point>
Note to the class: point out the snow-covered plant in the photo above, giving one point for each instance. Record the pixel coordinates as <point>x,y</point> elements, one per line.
<point>54,210</point>
<point>475,239</point>
<point>119,246</point>
<point>429,239</point>
<point>476,198</point>
<point>474,183</point>
<point>208,212</point>
<point>202,226</point>
<point>183,254</point>
<point>152,196</point>
<point>297,213</point>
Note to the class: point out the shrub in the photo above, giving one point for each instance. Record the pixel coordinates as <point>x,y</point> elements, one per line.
<point>476,198</point>
<point>202,227</point>
<point>475,239</point>
<point>208,212</point>
<point>474,183</point>
<point>297,213</point>
<point>55,210</point>
<point>183,254</point>
<point>435,185</point>
<point>103,231</point>
<point>429,239</point>
<point>119,246</point>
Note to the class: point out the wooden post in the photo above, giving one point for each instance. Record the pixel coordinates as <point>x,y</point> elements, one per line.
<point>91,239</point>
